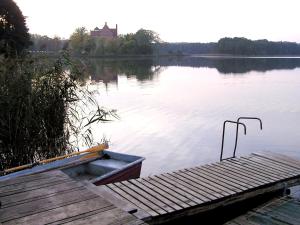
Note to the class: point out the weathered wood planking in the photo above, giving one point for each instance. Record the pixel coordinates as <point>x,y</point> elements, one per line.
<point>54,198</point>
<point>194,190</point>
<point>282,211</point>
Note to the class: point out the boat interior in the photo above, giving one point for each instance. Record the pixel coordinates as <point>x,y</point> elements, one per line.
<point>106,165</point>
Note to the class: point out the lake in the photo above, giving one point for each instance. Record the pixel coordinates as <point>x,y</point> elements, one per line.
<point>172,109</point>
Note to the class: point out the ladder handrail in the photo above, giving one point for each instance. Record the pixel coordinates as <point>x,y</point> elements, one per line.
<point>223,135</point>
<point>237,129</point>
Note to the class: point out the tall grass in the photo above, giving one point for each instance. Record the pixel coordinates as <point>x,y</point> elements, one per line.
<point>43,105</point>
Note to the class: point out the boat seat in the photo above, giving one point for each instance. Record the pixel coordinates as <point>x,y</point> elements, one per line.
<point>110,164</point>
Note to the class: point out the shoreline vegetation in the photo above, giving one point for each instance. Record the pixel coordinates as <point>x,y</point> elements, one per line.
<point>45,109</point>
<point>203,55</point>
<point>148,43</point>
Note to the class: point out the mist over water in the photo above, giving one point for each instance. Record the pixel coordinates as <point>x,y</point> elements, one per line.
<point>172,109</point>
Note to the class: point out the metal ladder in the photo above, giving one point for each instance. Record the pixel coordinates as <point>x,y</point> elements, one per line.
<point>238,123</point>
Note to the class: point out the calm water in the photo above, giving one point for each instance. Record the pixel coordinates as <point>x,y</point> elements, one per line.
<point>172,109</point>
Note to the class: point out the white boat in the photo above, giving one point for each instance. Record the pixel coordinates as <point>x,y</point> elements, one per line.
<point>98,167</point>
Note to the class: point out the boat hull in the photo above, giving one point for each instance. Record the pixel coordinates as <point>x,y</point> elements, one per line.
<point>96,169</point>
<point>131,172</point>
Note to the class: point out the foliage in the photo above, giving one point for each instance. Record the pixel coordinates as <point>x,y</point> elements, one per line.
<point>230,46</point>
<point>42,109</point>
<point>143,41</point>
<point>140,43</point>
<point>46,44</point>
<point>14,37</point>
<point>243,46</point>
<point>81,42</point>
<point>184,48</point>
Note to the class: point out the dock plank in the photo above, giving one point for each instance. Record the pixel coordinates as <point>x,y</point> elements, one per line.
<point>138,199</point>
<point>179,192</point>
<point>213,183</point>
<point>156,193</point>
<point>239,174</point>
<point>27,196</point>
<point>137,202</point>
<point>249,172</point>
<point>64,213</point>
<point>269,167</point>
<point>265,169</point>
<point>33,177</point>
<point>112,216</point>
<point>279,167</point>
<point>198,192</point>
<point>40,205</point>
<point>217,184</point>
<point>113,198</point>
<point>175,202</point>
<point>246,174</point>
<point>40,200</point>
<point>218,191</point>
<point>33,185</point>
<point>157,204</point>
<point>261,161</point>
<point>219,178</point>
<point>219,172</point>
<point>279,159</point>
<point>213,193</point>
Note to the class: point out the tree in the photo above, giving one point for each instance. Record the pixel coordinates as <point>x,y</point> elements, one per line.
<point>145,40</point>
<point>141,43</point>
<point>45,43</point>
<point>14,36</point>
<point>80,42</point>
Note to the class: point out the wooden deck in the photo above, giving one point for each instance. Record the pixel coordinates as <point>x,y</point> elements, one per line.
<point>54,198</point>
<point>279,211</point>
<point>168,196</point>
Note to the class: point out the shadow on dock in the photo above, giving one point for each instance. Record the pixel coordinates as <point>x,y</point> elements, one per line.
<point>223,214</point>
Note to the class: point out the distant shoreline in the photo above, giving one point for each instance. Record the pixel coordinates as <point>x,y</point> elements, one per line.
<point>56,54</point>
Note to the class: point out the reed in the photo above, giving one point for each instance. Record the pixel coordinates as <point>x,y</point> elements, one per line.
<point>44,110</point>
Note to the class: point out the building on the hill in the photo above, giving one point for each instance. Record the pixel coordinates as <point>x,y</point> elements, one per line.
<point>105,32</point>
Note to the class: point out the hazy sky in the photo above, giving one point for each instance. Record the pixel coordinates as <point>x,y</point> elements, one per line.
<point>173,20</point>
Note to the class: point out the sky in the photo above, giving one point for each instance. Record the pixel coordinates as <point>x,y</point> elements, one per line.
<point>173,20</point>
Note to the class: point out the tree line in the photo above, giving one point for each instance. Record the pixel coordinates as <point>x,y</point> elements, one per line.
<point>181,48</point>
<point>244,46</point>
<point>81,43</point>
<point>147,42</point>
<point>139,43</point>
<point>43,43</point>
<point>231,46</point>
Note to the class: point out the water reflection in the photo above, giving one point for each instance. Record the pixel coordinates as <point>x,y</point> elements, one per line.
<point>175,117</point>
<point>227,65</point>
<point>107,70</point>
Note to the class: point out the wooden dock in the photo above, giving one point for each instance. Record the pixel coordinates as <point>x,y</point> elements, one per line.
<point>54,198</point>
<point>165,197</point>
<point>279,211</point>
